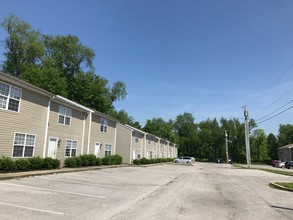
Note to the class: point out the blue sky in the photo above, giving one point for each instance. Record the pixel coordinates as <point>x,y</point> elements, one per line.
<point>206,57</point>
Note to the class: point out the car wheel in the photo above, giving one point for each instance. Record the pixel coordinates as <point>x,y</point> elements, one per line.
<point>176,161</point>
<point>188,162</point>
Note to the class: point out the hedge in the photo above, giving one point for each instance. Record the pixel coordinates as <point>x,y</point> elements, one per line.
<point>92,160</point>
<point>151,161</point>
<point>34,163</point>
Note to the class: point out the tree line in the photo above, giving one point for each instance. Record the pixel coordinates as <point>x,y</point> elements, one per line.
<point>64,66</point>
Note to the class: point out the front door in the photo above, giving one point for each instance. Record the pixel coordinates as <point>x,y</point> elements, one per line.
<point>52,148</point>
<point>97,149</point>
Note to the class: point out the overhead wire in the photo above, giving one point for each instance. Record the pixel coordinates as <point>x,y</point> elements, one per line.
<point>275,82</point>
<point>274,111</point>
<point>275,115</point>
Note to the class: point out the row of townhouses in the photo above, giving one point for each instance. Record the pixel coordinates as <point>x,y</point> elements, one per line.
<point>34,122</point>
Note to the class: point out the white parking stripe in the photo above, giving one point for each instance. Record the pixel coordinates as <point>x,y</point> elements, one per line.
<point>92,184</point>
<point>53,190</point>
<point>33,209</point>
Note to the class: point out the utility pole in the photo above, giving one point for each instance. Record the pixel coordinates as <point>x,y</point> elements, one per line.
<point>247,137</point>
<point>227,154</point>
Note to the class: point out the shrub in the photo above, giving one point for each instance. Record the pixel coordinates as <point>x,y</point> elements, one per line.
<point>50,163</point>
<point>92,159</point>
<point>107,160</point>
<point>36,163</point>
<point>22,164</point>
<point>98,161</point>
<point>71,162</point>
<point>84,160</point>
<point>136,162</point>
<point>7,164</point>
<point>112,160</point>
<point>144,161</point>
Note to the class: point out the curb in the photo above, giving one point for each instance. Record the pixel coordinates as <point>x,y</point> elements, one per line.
<point>7,176</point>
<point>275,185</point>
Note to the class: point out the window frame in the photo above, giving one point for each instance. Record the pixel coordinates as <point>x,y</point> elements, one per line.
<point>71,148</point>
<point>108,149</point>
<point>24,145</point>
<point>103,125</point>
<point>65,115</point>
<point>7,98</point>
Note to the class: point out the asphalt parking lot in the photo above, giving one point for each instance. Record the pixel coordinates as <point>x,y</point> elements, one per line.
<point>201,191</point>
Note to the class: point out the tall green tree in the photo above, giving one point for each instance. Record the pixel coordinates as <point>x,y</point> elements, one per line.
<point>285,134</point>
<point>273,145</point>
<point>59,64</point>
<point>258,146</point>
<point>161,128</point>
<point>186,129</point>
<point>23,46</point>
<point>123,117</point>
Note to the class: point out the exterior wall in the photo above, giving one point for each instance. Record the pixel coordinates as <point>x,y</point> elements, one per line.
<point>137,145</point>
<point>124,147</point>
<point>31,119</point>
<point>74,131</point>
<point>150,147</point>
<point>285,153</point>
<point>97,136</point>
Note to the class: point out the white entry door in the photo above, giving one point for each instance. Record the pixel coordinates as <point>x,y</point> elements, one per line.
<point>97,149</point>
<point>52,147</point>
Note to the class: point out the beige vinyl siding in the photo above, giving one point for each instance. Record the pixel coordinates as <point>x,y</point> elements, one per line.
<point>64,132</point>
<point>31,119</point>
<point>102,137</point>
<point>123,147</point>
<point>137,144</point>
<point>150,147</point>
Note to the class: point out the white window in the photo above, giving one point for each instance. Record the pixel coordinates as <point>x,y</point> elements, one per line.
<point>9,97</point>
<point>150,154</point>
<point>108,149</point>
<point>23,145</point>
<point>71,147</point>
<point>138,154</point>
<point>104,125</point>
<point>136,140</point>
<point>64,115</point>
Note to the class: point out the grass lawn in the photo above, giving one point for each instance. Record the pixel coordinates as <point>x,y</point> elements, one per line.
<point>287,185</point>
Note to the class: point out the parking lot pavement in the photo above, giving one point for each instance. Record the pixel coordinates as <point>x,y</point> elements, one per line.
<point>200,191</point>
<point>94,194</point>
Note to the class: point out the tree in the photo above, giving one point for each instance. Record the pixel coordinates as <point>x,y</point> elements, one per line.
<point>285,134</point>
<point>59,64</point>
<point>161,128</point>
<point>186,130</point>
<point>123,117</point>
<point>259,151</point>
<point>23,46</point>
<point>273,145</point>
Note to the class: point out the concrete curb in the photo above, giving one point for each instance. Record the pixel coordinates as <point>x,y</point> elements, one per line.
<point>275,185</point>
<point>13,175</point>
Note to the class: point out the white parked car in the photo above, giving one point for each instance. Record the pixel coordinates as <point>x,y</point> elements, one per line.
<point>185,159</point>
<point>281,164</point>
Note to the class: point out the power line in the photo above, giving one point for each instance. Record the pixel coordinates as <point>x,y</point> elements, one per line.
<point>275,115</point>
<point>275,82</point>
<point>274,111</point>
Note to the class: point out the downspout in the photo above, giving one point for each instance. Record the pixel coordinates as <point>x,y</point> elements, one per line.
<point>131,147</point>
<point>83,132</point>
<point>115,140</point>
<point>47,126</point>
<point>144,146</point>
<point>89,134</point>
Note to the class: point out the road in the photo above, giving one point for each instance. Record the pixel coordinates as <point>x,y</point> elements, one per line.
<point>201,191</point>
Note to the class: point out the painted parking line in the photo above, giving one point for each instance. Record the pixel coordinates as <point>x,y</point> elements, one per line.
<point>53,190</point>
<point>83,183</point>
<point>33,209</point>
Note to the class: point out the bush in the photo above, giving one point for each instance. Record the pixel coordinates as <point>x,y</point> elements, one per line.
<point>7,164</point>
<point>84,160</point>
<point>50,163</point>
<point>22,164</point>
<point>136,162</point>
<point>71,162</point>
<point>112,160</point>
<point>36,163</point>
<point>92,159</point>
<point>98,161</point>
